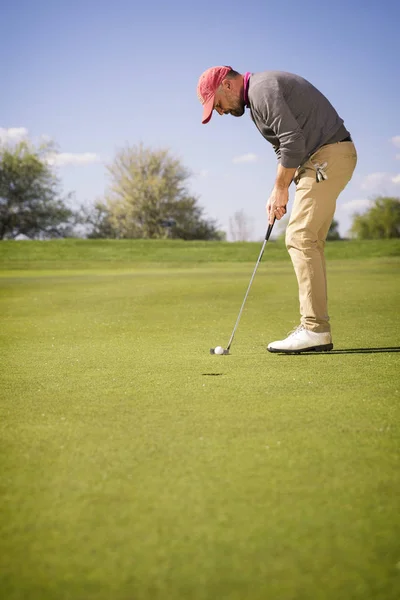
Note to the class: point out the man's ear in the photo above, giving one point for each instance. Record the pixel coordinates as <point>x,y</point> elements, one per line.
<point>226,84</point>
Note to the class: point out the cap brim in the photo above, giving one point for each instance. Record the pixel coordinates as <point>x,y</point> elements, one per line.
<point>208,108</point>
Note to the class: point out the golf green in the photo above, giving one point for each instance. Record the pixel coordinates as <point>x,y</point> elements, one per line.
<point>137,466</point>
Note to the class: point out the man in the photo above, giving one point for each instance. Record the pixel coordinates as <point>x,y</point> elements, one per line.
<point>314,150</point>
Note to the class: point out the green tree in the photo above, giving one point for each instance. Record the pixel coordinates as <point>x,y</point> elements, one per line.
<point>148,198</point>
<point>98,220</point>
<point>382,220</point>
<point>333,233</point>
<point>29,194</point>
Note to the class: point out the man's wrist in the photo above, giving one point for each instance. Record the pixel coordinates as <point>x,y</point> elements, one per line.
<point>280,186</point>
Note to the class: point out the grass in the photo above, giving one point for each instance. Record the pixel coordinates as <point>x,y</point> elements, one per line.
<point>117,254</point>
<point>136,466</point>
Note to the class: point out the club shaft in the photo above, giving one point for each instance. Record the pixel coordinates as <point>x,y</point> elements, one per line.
<point>249,286</point>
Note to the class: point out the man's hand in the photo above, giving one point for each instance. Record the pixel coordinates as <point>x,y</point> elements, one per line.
<point>276,205</point>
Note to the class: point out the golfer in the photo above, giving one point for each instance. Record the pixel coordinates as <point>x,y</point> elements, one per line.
<point>315,150</point>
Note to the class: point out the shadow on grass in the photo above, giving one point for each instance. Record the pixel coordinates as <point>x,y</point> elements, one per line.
<point>211,374</point>
<point>353,351</point>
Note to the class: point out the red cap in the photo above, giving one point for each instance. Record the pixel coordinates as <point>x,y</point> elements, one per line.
<point>208,84</point>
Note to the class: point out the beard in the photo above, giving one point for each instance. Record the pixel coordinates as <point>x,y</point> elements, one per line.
<point>237,112</point>
<point>238,109</point>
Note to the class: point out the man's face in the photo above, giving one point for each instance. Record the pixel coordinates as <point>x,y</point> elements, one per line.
<point>229,100</point>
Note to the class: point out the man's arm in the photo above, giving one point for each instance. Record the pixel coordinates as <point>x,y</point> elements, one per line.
<point>276,205</point>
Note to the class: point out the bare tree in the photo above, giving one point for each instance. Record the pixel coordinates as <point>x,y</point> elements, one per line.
<point>240,227</point>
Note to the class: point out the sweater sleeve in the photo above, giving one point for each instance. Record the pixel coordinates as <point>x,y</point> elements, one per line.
<point>277,116</point>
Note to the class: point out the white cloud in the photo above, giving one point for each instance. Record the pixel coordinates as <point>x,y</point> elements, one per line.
<point>374,180</point>
<point>245,158</point>
<point>398,156</point>
<point>63,159</point>
<point>203,173</point>
<point>381,184</point>
<point>356,205</point>
<point>396,141</point>
<point>59,159</point>
<point>12,134</point>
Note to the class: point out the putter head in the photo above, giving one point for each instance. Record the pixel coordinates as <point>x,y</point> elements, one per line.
<point>226,351</point>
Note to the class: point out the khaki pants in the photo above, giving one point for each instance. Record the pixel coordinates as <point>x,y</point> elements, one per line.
<point>310,219</point>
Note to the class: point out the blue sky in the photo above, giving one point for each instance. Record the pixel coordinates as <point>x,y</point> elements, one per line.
<point>95,75</point>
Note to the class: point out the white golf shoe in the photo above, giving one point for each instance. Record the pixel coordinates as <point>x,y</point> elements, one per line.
<point>303,340</point>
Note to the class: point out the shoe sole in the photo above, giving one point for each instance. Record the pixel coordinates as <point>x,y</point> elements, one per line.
<point>323,348</point>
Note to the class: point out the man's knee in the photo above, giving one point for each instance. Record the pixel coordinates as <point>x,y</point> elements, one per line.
<point>300,239</point>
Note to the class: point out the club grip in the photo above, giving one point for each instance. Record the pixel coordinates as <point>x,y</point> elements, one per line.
<point>269,230</point>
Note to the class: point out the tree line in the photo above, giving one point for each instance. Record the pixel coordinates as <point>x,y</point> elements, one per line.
<point>147,197</point>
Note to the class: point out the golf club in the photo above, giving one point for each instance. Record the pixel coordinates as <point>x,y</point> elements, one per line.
<point>219,349</point>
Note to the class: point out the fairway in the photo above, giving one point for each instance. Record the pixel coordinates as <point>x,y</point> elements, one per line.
<point>137,466</point>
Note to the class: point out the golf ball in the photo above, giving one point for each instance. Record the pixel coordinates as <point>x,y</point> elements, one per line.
<point>218,350</point>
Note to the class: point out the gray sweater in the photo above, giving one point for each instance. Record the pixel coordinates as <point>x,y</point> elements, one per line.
<point>292,115</point>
